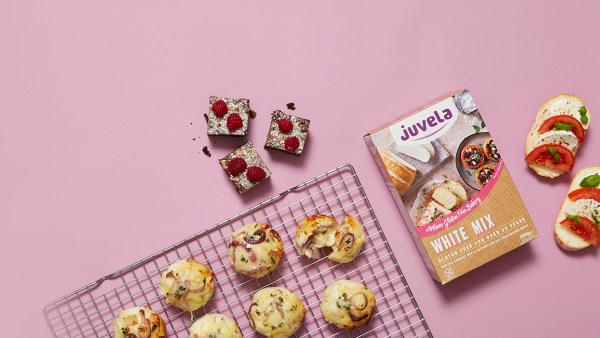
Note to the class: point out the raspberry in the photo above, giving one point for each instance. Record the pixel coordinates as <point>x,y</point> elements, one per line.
<point>219,108</point>
<point>234,121</point>
<point>291,143</point>
<point>236,165</point>
<point>285,125</point>
<point>256,174</point>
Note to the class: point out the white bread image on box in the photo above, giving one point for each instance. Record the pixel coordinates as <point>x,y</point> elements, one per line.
<point>401,172</point>
<point>445,197</point>
<point>584,202</point>
<point>451,194</point>
<point>422,152</point>
<point>559,121</point>
<point>432,212</point>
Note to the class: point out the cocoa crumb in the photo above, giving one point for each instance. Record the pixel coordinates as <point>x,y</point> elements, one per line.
<point>291,106</point>
<point>206,117</point>
<point>191,123</point>
<point>252,114</point>
<point>194,139</point>
<point>205,151</point>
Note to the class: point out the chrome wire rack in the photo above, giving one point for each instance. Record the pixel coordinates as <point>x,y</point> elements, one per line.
<point>89,311</point>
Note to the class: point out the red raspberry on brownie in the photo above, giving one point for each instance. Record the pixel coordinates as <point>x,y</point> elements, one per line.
<point>256,174</point>
<point>285,125</point>
<point>236,166</point>
<point>291,143</point>
<point>287,133</point>
<point>234,121</point>
<point>219,108</point>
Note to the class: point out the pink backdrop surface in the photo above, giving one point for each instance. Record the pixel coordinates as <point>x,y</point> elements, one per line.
<point>101,102</point>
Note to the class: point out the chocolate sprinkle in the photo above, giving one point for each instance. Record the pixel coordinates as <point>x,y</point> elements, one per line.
<point>206,117</point>
<point>252,114</point>
<point>206,151</point>
<point>291,106</point>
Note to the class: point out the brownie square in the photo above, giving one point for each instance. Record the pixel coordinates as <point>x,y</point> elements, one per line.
<point>228,116</point>
<point>288,136</point>
<point>245,167</point>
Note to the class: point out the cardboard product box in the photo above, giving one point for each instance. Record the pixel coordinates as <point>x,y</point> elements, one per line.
<point>453,190</point>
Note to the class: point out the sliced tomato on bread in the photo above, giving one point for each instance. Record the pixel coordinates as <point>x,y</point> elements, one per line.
<point>546,155</point>
<point>564,121</point>
<point>587,230</point>
<point>585,193</point>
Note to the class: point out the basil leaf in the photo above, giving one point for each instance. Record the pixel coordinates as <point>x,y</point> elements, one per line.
<point>476,128</point>
<point>584,119</point>
<point>564,126</point>
<point>596,220</point>
<point>582,110</point>
<point>591,181</point>
<point>556,157</point>
<point>482,124</point>
<point>551,150</point>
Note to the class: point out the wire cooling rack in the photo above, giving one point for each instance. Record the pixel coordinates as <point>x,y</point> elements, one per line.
<point>89,311</point>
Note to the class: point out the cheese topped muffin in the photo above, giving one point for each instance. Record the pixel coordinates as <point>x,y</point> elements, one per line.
<point>255,250</point>
<point>348,304</point>
<point>187,284</point>
<point>315,232</point>
<point>349,239</point>
<point>276,312</point>
<point>215,326</point>
<point>139,322</point>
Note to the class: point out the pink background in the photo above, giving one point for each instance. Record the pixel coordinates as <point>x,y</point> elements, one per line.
<point>100,102</point>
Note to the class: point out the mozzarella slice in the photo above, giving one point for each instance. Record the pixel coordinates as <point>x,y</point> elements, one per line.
<point>584,208</point>
<point>566,105</point>
<point>562,137</point>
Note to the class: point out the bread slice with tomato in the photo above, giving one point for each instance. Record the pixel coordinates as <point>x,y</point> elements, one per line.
<point>578,221</point>
<point>559,129</point>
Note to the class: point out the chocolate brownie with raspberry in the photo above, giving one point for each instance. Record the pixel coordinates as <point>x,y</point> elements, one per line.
<point>228,116</point>
<point>245,167</point>
<point>287,133</point>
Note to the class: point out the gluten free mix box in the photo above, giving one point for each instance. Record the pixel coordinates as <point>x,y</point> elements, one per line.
<point>453,190</point>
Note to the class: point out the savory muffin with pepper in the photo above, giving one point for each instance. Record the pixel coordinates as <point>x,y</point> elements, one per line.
<point>139,322</point>
<point>484,174</point>
<point>491,151</point>
<point>215,325</point>
<point>348,304</point>
<point>187,284</point>
<point>349,239</point>
<point>472,156</point>
<point>255,250</point>
<point>276,312</point>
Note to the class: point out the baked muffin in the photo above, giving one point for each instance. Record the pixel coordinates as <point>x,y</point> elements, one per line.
<point>276,312</point>
<point>187,284</point>
<point>255,250</point>
<point>349,239</point>
<point>315,232</point>
<point>215,326</point>
<point>348,304</point>
<point>139,322</point>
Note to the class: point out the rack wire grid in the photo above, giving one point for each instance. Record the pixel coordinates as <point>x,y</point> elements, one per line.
<point>89,311</point>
